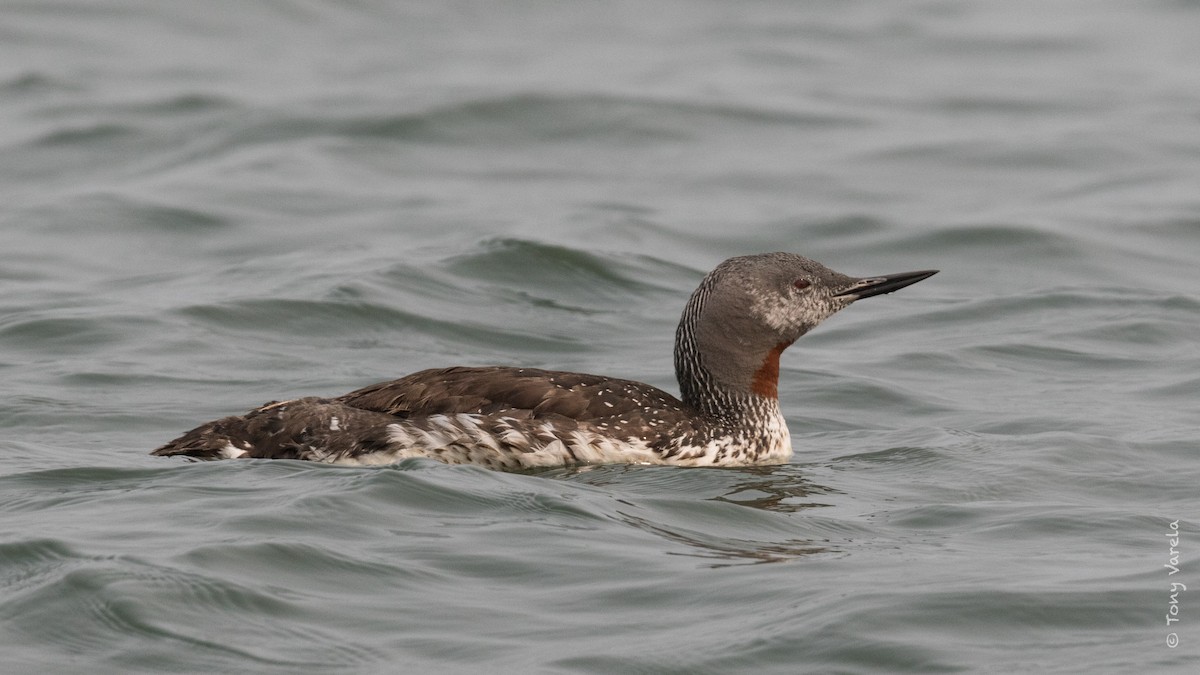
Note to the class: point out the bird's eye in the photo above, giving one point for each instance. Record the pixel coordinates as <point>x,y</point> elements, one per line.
<point>801,284</point>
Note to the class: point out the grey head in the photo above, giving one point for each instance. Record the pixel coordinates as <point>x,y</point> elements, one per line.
<point>748,310</point>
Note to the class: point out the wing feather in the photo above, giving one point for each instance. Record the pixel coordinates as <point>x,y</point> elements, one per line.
<point>517,392</point>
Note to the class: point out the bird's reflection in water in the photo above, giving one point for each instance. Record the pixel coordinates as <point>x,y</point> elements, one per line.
<point>729,551</point>
<point>782,490</point>
<point>773,488</point>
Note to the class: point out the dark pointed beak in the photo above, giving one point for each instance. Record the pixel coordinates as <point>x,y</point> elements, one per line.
<point>870,286</point>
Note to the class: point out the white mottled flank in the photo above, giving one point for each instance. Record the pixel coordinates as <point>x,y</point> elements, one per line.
<point>230,451</point>
<point>510,443</point>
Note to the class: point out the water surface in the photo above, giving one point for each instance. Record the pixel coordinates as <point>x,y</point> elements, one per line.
<point>211,206</point>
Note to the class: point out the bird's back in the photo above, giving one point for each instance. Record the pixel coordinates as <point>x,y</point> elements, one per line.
<point>495,416</point>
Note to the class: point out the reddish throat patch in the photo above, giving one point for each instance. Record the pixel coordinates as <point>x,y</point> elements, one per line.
<point>766,378</point>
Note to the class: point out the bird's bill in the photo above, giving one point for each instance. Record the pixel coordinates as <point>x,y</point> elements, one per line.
<point>872,286</point>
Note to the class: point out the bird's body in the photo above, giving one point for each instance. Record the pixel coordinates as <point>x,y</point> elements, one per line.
<point>501,418</point>
<point>730,337</point>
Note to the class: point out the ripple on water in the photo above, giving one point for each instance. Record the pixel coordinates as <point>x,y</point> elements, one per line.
<point>101,607</point>
<point>524,118</point>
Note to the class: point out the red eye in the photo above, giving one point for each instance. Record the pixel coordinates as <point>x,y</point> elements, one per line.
<point>802,283</point>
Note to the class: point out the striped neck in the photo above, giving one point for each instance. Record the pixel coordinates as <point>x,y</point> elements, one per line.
<point>718,380</point>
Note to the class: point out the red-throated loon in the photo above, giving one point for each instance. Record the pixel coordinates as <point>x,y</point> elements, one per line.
<point>727,347</point>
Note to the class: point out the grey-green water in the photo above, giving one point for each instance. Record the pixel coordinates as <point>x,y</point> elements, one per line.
<point>204,206</point>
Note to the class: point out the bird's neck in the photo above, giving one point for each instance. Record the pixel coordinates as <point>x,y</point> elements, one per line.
<point>720,379</point>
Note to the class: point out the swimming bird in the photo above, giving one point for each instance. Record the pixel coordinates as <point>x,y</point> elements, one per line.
<point>732,332</point>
